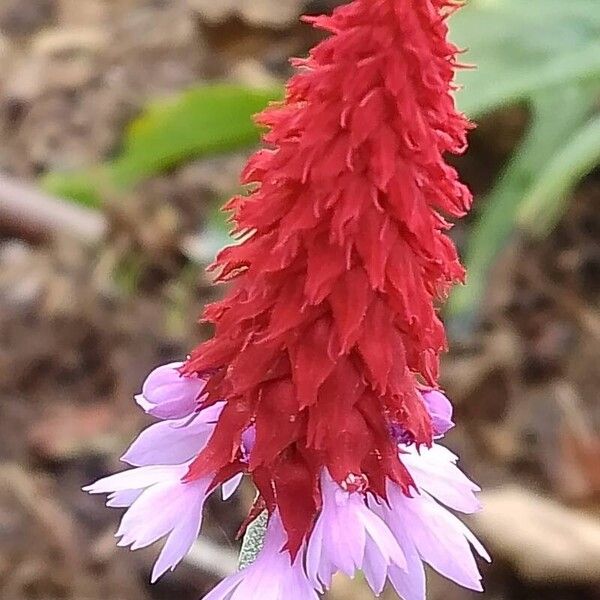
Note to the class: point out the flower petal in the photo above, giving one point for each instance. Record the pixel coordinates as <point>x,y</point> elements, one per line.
<point>381,535</point>
<point>434,471</point>
<point>229,488</point>
<point>123,499</point>
<point>180,540</point>
<point>136,479</point>
<point>375,568</point>
<point>440,409</point>
<point>440,539</point>
<point>167,394</point>
<point>173,442</point>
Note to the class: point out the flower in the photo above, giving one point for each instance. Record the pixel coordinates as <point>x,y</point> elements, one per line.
<point>321,379</point>
<point>272,576</point>
<point>440,409</point>
<point>160,502</point>
<point>160,505</point>
<point>392,539</point>
<point>167,394</point>
<point>347,537</point>
<point>329,327</point>
<point>435,472</point>
<point>385,540</point>
<point>173,441</point>
<point>428,532</point>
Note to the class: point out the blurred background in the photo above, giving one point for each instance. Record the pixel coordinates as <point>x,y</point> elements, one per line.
<point>124,125</point>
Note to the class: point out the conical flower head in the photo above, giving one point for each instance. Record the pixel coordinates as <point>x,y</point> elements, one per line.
<point>329,333</point>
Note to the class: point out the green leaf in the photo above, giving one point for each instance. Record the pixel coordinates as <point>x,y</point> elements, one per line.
<point>498,215</point>
<point>520,48</point>
<point>545,53</point>
<point>576,157</point>
<point>207,120</point>
<point>203,121</point>
<point>77,186</point>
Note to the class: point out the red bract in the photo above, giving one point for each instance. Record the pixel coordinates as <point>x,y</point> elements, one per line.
<point>330,329</point>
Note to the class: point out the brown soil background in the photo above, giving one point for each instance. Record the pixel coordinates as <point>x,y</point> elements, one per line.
<point>74,346</point>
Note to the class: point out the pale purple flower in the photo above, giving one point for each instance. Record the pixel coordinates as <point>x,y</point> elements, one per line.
<point>434,471</point>
<point>426,530</point>
<point>393,540</point>
<point>272,576</point>
<point>353,531</point>
<point>347,537</point>
<point>440,409</point>
<point>160,505</point>
<point>173,441</point>
<point>166,394</point>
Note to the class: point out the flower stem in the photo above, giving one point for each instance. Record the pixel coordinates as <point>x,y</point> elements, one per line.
<point>254,540</point>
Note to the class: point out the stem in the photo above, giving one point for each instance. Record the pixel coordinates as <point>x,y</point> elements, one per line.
<point>36,216</point>
<point>254,540</point>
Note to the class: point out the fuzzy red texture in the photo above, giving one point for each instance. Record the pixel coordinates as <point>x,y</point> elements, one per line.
<point>330,327</point>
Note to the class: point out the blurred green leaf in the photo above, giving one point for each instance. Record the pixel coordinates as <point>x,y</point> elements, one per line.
<point>207,120</point>
<point>77,186</point>
<point>498,215</point>
<point>521,47</point>
<point>544,204</point>
<point>545,53</point>
<point>203,121</point>
<point>216,234</point>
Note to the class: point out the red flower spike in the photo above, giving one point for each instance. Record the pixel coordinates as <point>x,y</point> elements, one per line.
<point>330,323</point>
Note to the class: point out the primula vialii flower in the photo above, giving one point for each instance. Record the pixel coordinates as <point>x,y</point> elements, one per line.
<point>321,380</point>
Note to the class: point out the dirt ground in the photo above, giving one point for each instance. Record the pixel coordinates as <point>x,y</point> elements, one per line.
<point>78,332</point>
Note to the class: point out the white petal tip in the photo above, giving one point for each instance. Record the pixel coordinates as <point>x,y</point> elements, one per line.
<point>155,577</point>
<point>126,458</point>
<point>157,572</point>
<point>141,401</point>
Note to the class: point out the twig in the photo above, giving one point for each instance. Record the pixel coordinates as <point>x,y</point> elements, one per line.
<point>542,539</point>
<point>36,216</point>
